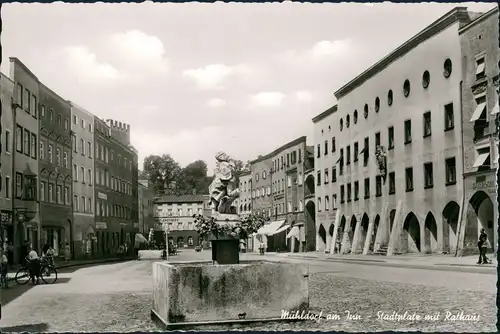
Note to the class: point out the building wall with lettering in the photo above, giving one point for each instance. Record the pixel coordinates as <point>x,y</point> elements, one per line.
<point>479,42</point>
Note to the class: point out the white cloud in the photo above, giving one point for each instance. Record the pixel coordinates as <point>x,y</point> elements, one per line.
<point>323,50</point>
<point>139,50</point>
<point>84,62</point>
<point>216,103</point>
<point>303,96</point>
<point>213,76</point>
<point>267,99</point>
<point>329,48</point>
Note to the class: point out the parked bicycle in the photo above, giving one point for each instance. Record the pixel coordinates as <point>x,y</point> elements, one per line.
<point>48,273</point>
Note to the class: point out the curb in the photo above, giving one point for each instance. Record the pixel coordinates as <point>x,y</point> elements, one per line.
<point>436,266</point>
<point>69,265</point>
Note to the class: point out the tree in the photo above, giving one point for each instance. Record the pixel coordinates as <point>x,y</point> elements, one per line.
<point>239,168</point>
<point>194,178</point>
<point>164,172</point>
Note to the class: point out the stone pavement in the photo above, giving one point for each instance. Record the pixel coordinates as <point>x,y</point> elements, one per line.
<point>73,263</point>
<point>117,297</point>
<point>407,260</point>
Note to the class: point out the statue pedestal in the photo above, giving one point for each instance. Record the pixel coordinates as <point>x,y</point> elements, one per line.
<point>226,248</point>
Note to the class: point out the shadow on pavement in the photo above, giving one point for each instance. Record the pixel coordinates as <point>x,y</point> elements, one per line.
<point>74,268</point>
<point>37,328</point>
<point>15,290</point>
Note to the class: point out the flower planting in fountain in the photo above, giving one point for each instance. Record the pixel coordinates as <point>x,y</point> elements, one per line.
<point>241,229</point>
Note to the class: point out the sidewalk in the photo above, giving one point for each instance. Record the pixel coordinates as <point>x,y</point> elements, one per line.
<point>73,263</point>
<point>408,259</point>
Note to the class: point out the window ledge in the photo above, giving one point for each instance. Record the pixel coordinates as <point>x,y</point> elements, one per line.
<point>451,183</point>
<point>429,186</point>
<point>449,129</point>
<point>348,200</point>
<point>390,148</point>
<point>392,192</point>
<point>409,190</point>
<point>408,142</point>
<point>367,197</point>
<point>378,195</point>
<point>427,135</point>
<point>356,199</point>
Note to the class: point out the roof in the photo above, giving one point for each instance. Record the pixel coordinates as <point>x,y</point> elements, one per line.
<point>24,67</point>
<point>479,19</point>
<point>278,150</point>
<point>181,199</point>
<point>324,114</point>
<point>457,14</point>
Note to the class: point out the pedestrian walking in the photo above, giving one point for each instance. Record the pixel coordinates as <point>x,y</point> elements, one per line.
<point>34,266</point>
<point>483,244</point>
<point>67,253</point>
<point>3,269</point>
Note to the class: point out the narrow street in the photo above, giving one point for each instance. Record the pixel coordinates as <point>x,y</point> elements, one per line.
<point>118,297</point>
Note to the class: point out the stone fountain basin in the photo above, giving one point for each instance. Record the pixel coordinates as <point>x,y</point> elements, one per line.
<point>202,293</point>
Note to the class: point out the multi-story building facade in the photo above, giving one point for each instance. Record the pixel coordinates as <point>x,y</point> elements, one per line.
<point>55,161</point>
<point>25,209</point>
<point>325,175</point>
<point>398,133</point>
<point>115,186</point>
<point>174,215</point>
<point>84,234</point>
<point>480,59</point>
<point>244,205</point>
<point>278,193</point>
<point>6,153</point>
<point>146,207</point>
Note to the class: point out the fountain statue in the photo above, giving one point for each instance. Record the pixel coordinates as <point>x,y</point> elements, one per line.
<point>222,189</point>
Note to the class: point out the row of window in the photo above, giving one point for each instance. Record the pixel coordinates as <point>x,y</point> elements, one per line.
<point>25,142</point>
<point>427,131</point>
<point>80,175</point>
<point>47,154</point>
<point>180,213</point>
<point>450,179</point>
<point>54,193</point>
<point>426,77</point>
<point>105,209</point>
<point>28,102</point>
<point>103,154</point>
<point>82,204</point>
<point>84,147</point>
<point>104,178</point>
<point>83,123</point>
<point>277,186</point>
<point>179,226</point>
<point>280,163</point>
<point>246,186</point>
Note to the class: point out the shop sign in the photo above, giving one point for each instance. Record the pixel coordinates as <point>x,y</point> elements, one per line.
<point>325,217</point>
<point>101,225</point>
<point>6,218</point>
<point>168,219</point>
<point>102,196</point>
<point>484,185</point>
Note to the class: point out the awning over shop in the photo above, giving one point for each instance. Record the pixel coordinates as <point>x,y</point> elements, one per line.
<point>496,109</point>
<point>481,159</point>
<point>294,232</point>
<point>481,107</point>
<point>281,229</point>
<point>139,239</point>
<point>271,228</point>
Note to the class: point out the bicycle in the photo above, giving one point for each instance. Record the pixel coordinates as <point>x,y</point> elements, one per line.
<point>48,273</point>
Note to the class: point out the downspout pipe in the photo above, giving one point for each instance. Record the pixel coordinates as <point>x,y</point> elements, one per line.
<point>462,205</point>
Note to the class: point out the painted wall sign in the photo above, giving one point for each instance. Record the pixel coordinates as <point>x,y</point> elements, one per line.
<point>484,185</point>
<point>102,196</point>
<point>101,225</point>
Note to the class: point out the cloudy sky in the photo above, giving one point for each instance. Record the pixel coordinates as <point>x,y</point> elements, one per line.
<point>192,79</point>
